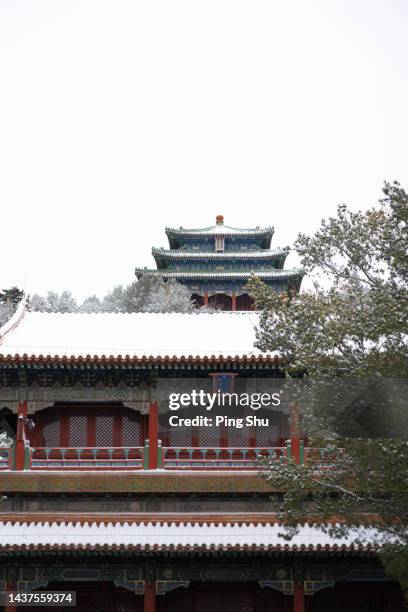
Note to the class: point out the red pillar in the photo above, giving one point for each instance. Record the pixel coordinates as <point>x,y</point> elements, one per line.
<point>149,596</point>
<point>234,302</point>
<point>10,587</point>
<point>20,448</point>
<point>153,435</point>
<point>299,597</point>
<point>206,298</point>
<point>294,432</point>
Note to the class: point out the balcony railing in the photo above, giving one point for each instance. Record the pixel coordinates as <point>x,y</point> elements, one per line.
<point>151,457</point>
<point>321,458</point>
<point>219,458</point>
<point>89,458</point>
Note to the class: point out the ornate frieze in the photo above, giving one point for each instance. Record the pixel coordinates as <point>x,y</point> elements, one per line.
<point>280,577</point>
<point>39,397</point>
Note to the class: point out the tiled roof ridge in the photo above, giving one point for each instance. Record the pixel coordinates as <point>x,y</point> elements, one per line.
<point>170,519</point>
<point>278,274</point>
<point>148,359</point>
<point>202,230</point>
<point>192,547</point>
<point>169,536</point>
<point>264,253</point>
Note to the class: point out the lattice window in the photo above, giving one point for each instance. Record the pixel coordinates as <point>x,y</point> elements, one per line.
<point>267,437</point>
<point>181,436</point>
<point>233,602</point>
<point>78,430</point>
<point>131,430</point>
<point>210,436</point>
<point>104,430</point>
<point>239,437</point>
<point>364,604</point>
<point>51,433</point>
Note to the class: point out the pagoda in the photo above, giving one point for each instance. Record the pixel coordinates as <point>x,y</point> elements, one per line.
<point>216,262</point>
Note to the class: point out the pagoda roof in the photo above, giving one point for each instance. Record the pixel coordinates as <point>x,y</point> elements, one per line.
<point>221,230</point>
<point>134,338</point>
<point>296,274</point>
<point>269,254</point>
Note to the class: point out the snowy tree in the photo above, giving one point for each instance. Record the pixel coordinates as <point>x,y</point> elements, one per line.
<point>67,303</point>
<point>54,302</point>
<point>353,326</point>
<point>157,295</point>
<point>169,296</point>
<point>5,440</point>
<point>135,295</point>
<point>91,304</point>
<point>6,312</point>
<point>37,303</point>
<point>114,300</point>
<point>149,295</point>
<point>145,295</point>
<point>9,299</point>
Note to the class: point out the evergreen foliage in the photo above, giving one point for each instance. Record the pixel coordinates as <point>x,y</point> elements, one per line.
<point>12,296</point>
<point>9,298</point>
<point>352,327</point>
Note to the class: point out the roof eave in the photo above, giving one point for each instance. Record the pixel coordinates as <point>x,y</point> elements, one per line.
<point>144,361</point>
<point>265,254</point>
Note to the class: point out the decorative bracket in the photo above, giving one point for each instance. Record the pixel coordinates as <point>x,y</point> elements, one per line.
<point>163,586</point>
<point>313,586</point>
<point>283,586</point>
<point>136,586</point>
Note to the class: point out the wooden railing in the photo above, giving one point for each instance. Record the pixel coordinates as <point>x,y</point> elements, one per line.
<point>321,458</point>
<point>165,458</point>
<point>93,458</point>
<point>218,458</point>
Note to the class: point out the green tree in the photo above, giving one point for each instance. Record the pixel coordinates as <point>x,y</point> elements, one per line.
<point>13,296</point>
<point>353,326</point>
<point>9,298</point>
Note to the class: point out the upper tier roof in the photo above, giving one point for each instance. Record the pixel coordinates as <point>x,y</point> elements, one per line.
<point>264,254</point>
<point>221,230</point>
<point>264,234</point>
<point>226,334</point>
<point>295,275</point>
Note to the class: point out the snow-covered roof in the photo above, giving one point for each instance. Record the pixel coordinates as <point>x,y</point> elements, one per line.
<point>226,334</point>
<point>180,254</point>
<point>221,230</point>
<point>168,535</point>
<point>274,274</point>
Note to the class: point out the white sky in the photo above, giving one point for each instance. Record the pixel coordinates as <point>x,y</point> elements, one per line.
<point>118,118</point>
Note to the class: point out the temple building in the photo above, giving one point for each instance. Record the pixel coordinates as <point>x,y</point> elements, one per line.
<point>216,262</point>
<point>103,498</point>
